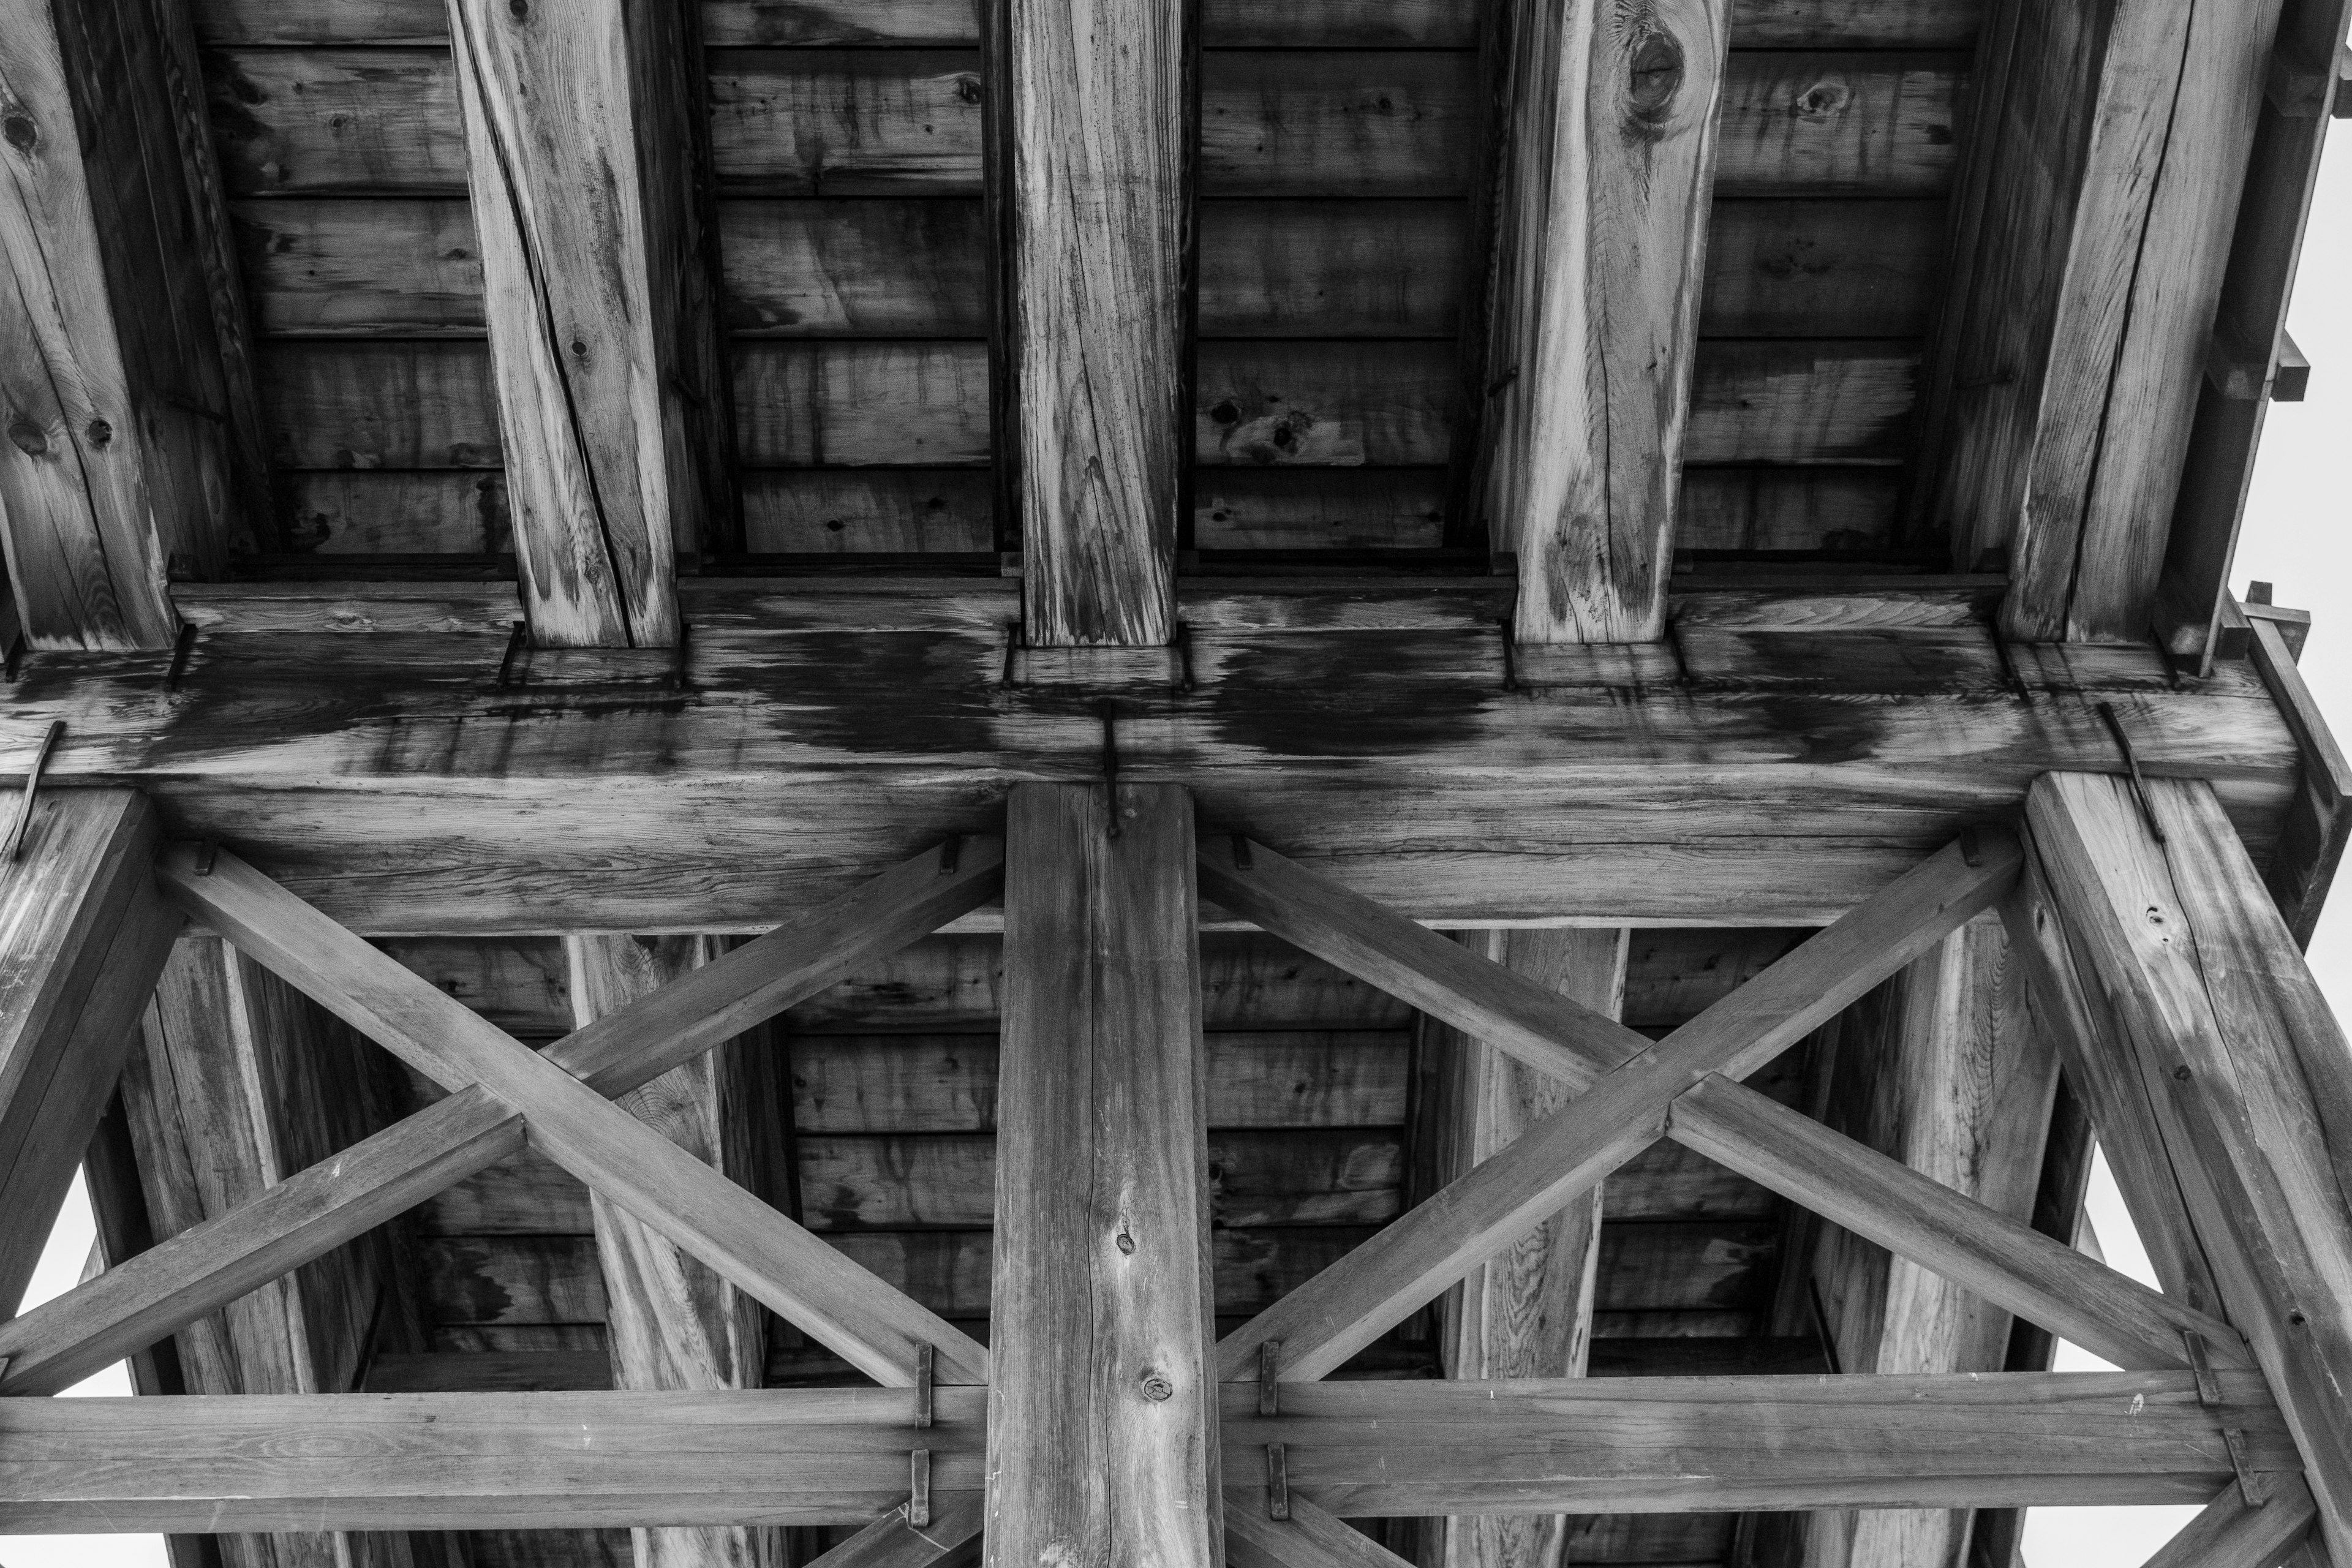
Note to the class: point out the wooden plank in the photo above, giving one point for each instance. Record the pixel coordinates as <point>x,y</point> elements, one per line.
<point>400,512</point>
<point>1606,164</point>
<point>1624,1111</point>
<point>1848,267</point>
<point>819,511</point>
<point>1787,508</point>
<point>1305,1537</point>
<point>2227,1534</point>
<point>741,1237</point>
<point>847,122</point>
<point>120,378</point>
<point>1528,1311</point>
<point>1102,1408</point>
<point>674,1324</point>
<point>2207,981</point>
<point>359,267</point>
<point>892,1542</point>
<point>82,938</point>
<point>1285,269</point>
<point>842,267</point>
<point>2299,879</point>
<point>921,404</point>
<point>1799,402</point>
<point>1803,124</point>
<point>1094,204</point>
<point>583,161</point>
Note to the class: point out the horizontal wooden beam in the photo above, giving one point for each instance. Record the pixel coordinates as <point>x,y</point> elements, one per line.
<point>840,1455</point>
<point>1764,779</point>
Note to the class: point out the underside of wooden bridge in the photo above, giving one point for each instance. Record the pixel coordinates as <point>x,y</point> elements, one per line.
<point>1135,783</point>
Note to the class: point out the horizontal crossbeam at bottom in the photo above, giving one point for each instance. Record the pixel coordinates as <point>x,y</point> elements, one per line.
<point>460,1461</point>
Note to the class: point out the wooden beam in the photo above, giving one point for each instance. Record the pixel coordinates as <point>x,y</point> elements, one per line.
<point>2319,822</point>
<point>1094,208</point>
<point>2108,157</point>
<point>582,122</point>
<point>1607,169</point>
<point>875,1327</point>
<point>82,937</point>
<point>131,426</point>
<point>895,1542</point>
<point>673,1323</point>
<point>1352,1302</point>
<point>522,1461</point>
<point>2242,1064</point>
<point>2229,1533</point>
<point>1528,1310</point>
<point>1307,1538</point>
<point>388,779</point>
<point>1103,1408</point>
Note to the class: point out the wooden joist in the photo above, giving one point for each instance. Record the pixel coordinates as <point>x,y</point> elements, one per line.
<point>1359,1449</point>
<point>581,124</point>
<point>2241,1065</point>
<point>1607,168</point>
<point>82,938</point>
<point>1102,1404</point>
<point>132,431</point>
<point>1092,206</point>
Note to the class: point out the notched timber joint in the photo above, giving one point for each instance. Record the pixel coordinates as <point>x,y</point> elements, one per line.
<point>2253,1485</point>
<point>1242,862</point>
<point>924,1357</point>
<point>14,848</point>
<point>2131,765</point>
<point>1511,654</point>
<point>1184,646</point>
<point>918,1498</point>
<point>951,853</point>
<point>183,644</point>
<point>1109,712</point>
<point>1269,1392</point>
<point>1278,1482</point>
<point>1016,635</point>
<point>517,640</point>
<point>2208,1387</point>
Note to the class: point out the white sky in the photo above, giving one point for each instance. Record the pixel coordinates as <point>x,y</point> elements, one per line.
<point>2297,536</point>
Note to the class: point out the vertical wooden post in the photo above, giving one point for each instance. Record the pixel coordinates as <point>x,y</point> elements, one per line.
<point>675,1324</point>
<point>1608,168</point>
<point>1102,1411</point>
<point>2245,1071</point>
<point>1942,1069</point>
<point>128,426</point>
<point>83,935</point>
<point>1529,1311</point>
<point>581,124</point>
<point>1097,134</point>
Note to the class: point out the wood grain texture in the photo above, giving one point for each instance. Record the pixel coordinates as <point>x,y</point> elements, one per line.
<point>1626,1110</point>
<point>82,938</point>
<point>2227,1533</point>
<point>1308,1538</point>
<point>2208,983</point>
<point>647,1174</point>
<point>113,372</point>
<point>1095,205</point>
<point>1526,1311</point>
<point>1606,168</point>
<point>582,154</point>
<point>1102,1404</point>
<point>674,1323</point>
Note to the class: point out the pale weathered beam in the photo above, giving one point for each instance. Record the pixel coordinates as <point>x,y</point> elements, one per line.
<point>132,430</point>
<point>1307,1538</point>
<point>1528,1310</point>
<point>2242,1066</point>
<point>2229,1533</point>
<point>875,1327</point>
<point>82,937</point>
<point>1094,204</point>
<point>582,122</point>
<point>1102,1412</point>
<point>390,781</point>
<point>673,1323</point>
<point>894,1540</point>
<point>1352,1302</point>
<point>1606,171</point>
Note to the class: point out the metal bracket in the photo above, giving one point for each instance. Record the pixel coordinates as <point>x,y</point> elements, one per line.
<point>2208,1387</point>
<point>924,1356</point>
<point>918,1499</point>
<point>1109,712</point>
<point>1277,1483</point>
<point>183,646</point>
<point>2131,762</point>
<point>515,641</point>
<point>14,848</point>
<point>1269,1392</point>
<point>2253,1485</point>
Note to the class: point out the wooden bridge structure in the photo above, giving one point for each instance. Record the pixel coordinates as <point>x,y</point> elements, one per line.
<point>1132,784</point>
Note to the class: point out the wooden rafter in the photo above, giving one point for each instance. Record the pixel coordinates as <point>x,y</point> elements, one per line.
<point>582,125</point>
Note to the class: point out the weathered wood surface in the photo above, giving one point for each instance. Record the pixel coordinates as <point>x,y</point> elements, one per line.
<point>581,133</point>
<point>82,938</point>
<point>1093,207</point>
<point>2227,1534</point>
<point>673,1323</point>
<point>1606,166</point>
<point>1307,1537</point>
<point>119,382</point>
<point>1102,1400</point>
<point>741,1236</point>
<point>1528,1311</point>
<point>2242,1063</point>
<point>1788,778</point>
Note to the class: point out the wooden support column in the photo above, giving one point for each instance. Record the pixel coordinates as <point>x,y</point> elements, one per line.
<point>1607,175</point>
<point>82,937</point>
<point>675,1324</point>
<point>1526,1311</point>
<point>133,438</point>
<point>1093,118</point>
<point>582,123</point>
<point>238,1083</point>
<point>1941,1069</point>
<point>2109,146</point>
<point>2244,1068</point>
<point>1102,1408</point>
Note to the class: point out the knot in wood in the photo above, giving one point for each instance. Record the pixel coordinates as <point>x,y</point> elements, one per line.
<point>22,133</point>
<point>1157,1388</point>
<point>1653,77</point>
<point>29,437</point>
<point>519,9</point>
<point>1124,1242</point>
<point>100,432</point>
